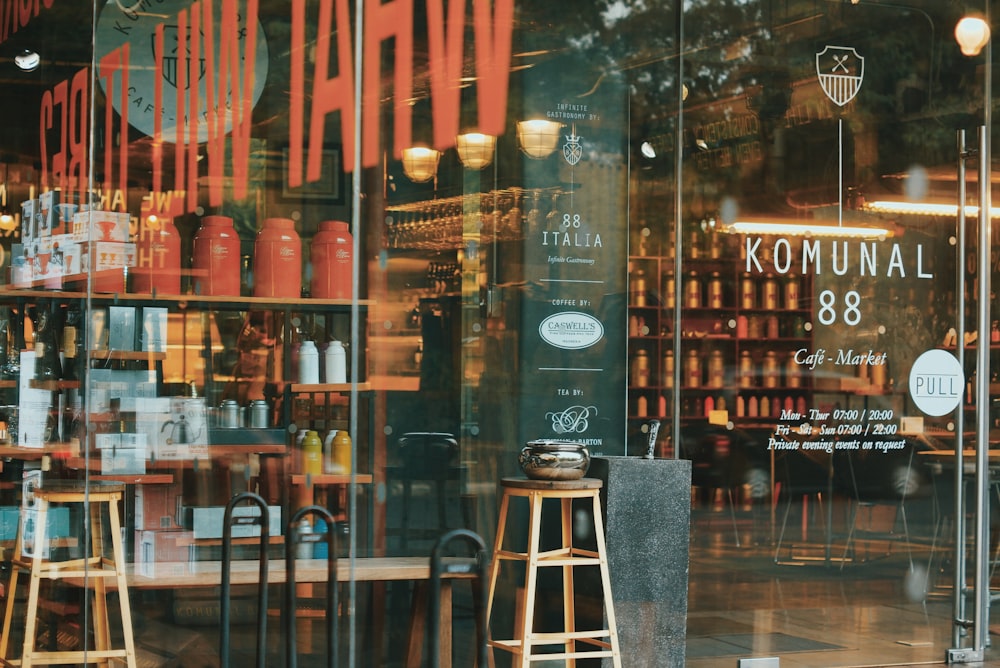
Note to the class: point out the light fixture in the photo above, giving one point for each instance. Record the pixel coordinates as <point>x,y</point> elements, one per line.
<point>647,150</point>
<point>925,208</point>
<point>420,163</point>
<point>475,149</point>
<point>972,32</point>
<point>27,60</point>
<point>538,138</point>
<point>804,229</point>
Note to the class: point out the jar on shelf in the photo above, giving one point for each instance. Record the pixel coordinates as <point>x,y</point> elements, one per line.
<point>692,369</point>
<point>216,258</point>
<point>792,376</point>
<point>332,254</point>
<point>692,292</point>
<point>746,369</point>
<point>769,369</point>
<point>715,291</point>
<point>640,369</point>
<point>770,293</point>
<point>792,292</point>
<point>277,260</point>
<point>638,288</point>
<point>748,293</point>
<point>667,373</point>
<point>716,369</point>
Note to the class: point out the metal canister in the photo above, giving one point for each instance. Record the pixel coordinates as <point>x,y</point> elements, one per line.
<point>230,414</point>
<point>259,414</point>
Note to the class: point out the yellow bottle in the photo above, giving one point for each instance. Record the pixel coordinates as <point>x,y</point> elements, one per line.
<point>312,454</point>
<point>342,452</point>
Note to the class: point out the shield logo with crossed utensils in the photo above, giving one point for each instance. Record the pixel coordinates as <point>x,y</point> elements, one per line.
<point>840,71</point>
<point>572,150</point>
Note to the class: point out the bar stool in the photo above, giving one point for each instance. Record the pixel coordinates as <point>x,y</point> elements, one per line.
<point>31,555</point>
<point>605,640</point>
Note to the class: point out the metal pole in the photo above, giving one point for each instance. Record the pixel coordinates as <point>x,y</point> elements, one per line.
<point>675,408</point>
<point>959,620</point>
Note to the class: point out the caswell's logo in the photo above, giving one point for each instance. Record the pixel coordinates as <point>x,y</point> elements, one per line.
<point>571,330</point>
<point>573,420</point>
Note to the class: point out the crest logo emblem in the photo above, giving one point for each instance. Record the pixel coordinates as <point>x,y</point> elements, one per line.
<point>840,70</point>
<point>572,150</point>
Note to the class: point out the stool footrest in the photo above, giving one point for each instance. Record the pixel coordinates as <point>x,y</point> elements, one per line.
<point>516,647</point>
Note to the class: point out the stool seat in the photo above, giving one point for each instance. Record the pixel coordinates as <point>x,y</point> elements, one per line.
<point>595,643</point>
<point>31,554</point>
<point>561,485</point>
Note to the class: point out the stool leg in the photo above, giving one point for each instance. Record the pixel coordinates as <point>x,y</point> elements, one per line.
<point>99,605</point>
<point>495,568</point>
<point>118,552</point>
<point>528,618</point>
<point>11,596</point>
<point>569,593</point>
<point>609,607</point>
<point>39,545</point>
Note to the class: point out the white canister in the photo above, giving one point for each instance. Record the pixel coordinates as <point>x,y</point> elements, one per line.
<point>335,362</point>
<point>308,363</point>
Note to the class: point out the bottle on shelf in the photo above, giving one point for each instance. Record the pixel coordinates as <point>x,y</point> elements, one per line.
<point>308,363</point>
<point>792,292</point>
<point>312,454</point>
<point>748,293</point>
<point>342,452</point>
<point>715,291</point>
<point>641,406</point>
<point>716,369</point>
<point>638,288</point>
<point>746,369</point>
<point>770,293</point>
<point>769,369</point>
<point>335,363</point>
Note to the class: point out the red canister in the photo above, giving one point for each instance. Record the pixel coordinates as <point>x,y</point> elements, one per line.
<point>277,260</point>
<point>332,261</point>
<point>216,259</point>
<point>158,257</point>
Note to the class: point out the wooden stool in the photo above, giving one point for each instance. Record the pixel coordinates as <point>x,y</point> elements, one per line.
<point>95,568</point>
<point>523,645</point>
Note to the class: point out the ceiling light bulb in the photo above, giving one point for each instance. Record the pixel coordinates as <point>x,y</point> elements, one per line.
<point>972,33</point>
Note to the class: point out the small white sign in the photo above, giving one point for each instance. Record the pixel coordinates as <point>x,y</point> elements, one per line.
<point>937,382</point>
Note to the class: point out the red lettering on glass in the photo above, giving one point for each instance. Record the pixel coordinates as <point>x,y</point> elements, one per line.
<point>384,21</point>
<point>77,124</point>
<point>180,140</point>
<point>193,109</point>
<point>157,158</point>
<point>493,42</point>
<point>116,62</point>
<point>445,47</point>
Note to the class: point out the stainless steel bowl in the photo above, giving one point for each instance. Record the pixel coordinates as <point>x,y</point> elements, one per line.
<point>548,459</point>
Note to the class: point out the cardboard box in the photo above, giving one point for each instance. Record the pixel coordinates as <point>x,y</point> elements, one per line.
<point>57,521</point>
<point>121,460</point>
<point>100,226</point>
<point>104,255</point>
<point>153,547</point>
<point>206,521</point>
<point>158,507</point>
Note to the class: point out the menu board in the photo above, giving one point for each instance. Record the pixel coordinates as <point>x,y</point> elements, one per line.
<point>572,383</point>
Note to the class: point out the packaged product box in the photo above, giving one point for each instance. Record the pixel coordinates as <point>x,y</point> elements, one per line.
<point>57,522</point>
<point>48,204</point>
<point>158,507</point>
<point>101,255</point>
<point>29,209</point>
<point>65,258</point>
<point>123,454</point>
<point>152,547</point>
<point>207,521</point>
<point>101,226</point>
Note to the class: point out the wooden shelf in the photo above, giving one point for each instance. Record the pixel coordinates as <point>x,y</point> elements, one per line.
<point>126,355</point>
<point>300,388</point>
<point>17,452</point>
<point>324,479</point>
<point>181,301</point>
<point>53,385</point>
<point>138,478</point>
